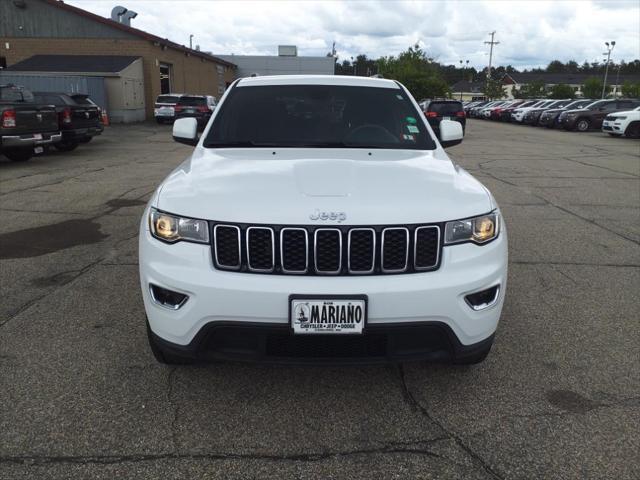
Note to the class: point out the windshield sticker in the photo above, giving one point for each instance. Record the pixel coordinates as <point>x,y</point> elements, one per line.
<point>411,120</point>
<point>409,137</point>
<point>413,129</point>
<point>399,97</point>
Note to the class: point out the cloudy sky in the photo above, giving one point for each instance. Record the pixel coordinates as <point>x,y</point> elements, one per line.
<point>531,33</point>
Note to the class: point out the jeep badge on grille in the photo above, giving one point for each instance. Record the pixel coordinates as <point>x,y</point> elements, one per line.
<point>318,215</point>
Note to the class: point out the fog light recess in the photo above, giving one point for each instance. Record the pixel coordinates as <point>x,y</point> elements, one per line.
<point>483,299</point>
<point>167,298</point>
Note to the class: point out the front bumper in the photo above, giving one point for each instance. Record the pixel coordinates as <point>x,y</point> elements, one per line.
<point>612,126</point>
<point>432,298</point>
<point>30,140</point>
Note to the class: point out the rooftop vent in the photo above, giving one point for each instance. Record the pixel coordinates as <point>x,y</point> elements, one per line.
<point>287,51</point>
<point>122,15</point>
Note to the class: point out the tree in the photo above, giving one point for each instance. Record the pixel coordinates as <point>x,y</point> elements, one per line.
<point>494,89</point>
<point>419,73</point>
<point>592,87</point>
<point>562,90</point>
<point>556,66</point>
<point>535,89</point>
<point>631,90</point>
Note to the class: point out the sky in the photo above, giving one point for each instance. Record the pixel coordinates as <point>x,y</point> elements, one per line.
<point>531,33</point>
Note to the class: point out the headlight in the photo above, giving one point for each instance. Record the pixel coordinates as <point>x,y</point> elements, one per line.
<point>171,228</point>
<point>618,118</point>
<point>478,230</point>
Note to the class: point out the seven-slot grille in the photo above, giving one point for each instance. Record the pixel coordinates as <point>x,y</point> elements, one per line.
<point>339,250</point>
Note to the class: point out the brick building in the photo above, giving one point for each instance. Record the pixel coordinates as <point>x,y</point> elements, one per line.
<point>51,27</point>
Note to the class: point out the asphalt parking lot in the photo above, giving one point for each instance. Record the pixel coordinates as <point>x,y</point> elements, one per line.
<point>558,397</point>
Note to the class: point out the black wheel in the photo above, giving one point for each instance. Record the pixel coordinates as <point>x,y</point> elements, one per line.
<point>162,356</point>
<point>633,130</point>
<point>66,146</point>
<point>19,154</point>
<point>583,124</point>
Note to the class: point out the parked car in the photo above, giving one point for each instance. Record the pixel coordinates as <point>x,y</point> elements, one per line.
<point>438,110</point>
<point>164,108</point>
<point>549,117</point>
<point>78,123</point>
<point>25,126</point>
<point>84,99</point>
<point>278,238</point>
<point>517,115</point>
<point>623,123</point>
<point>505,113</point>
<point>199,107</point>
<point>485,112</point>
<point>532,115</point>
<point>592,116</point>
<point>495,113</point>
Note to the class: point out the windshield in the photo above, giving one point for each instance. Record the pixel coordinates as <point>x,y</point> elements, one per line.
<point>15,94</point>
<point>594,104</point>
<point>192,101</point>
<point>167,99</point>
<point>445,108</point>
<point>319,116</point>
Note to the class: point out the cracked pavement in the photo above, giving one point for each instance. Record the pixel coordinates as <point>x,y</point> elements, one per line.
<point>558,397</point>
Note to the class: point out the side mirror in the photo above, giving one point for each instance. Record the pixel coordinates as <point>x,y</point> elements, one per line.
<point>185,130</point>
<point>451,133</point>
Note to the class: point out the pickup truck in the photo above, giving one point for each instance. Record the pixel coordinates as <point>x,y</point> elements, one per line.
<point>78,122</point>
<point>25,127</point>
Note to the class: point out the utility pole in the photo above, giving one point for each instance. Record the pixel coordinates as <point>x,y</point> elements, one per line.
<point>491,43</point>
<point>606,70</point>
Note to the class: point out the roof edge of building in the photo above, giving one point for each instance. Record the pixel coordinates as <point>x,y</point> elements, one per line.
<point>137,32</point>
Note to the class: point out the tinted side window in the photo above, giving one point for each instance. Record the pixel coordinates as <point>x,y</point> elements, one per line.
<point>192,101</point>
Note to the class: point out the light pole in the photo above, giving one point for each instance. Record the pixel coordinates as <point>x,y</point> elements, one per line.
<point>606,70</point>
<point>463,72</point>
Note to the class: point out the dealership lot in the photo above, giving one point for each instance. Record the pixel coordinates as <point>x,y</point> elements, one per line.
<point>82,396</point>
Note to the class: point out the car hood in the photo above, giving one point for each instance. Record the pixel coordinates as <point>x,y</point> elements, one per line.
<point>287,186</point>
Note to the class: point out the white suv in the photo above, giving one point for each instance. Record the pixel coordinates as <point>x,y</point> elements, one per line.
<point>623,123</point>
<point>319,219</point>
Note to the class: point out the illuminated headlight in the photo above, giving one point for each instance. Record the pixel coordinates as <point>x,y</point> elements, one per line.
<point>478,229</point>
<point>171,228</point>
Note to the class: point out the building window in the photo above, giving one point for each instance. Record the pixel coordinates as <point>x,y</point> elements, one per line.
<point>3,62</point>
<point>165,78</point>
<point>220,69</point>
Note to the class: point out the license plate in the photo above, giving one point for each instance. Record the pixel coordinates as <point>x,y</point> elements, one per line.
<point>446,118</point>
<point>38,150</point>
<point>339,315</point>
<point>37,136</point>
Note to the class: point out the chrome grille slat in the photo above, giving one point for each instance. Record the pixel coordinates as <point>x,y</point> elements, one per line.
<point>419,256</point>
<point>258,247</point>
<point>284,254</point>
<point>325,245</point>
<point>352,244</point>
<point>225,263</point>
<point>394,253</point>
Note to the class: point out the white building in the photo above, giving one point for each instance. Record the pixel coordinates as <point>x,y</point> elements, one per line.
<point>287,62</point>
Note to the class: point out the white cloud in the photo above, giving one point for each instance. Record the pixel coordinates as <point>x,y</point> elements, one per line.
<point>530,33</point>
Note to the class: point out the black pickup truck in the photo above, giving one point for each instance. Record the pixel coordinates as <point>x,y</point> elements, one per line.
<point>25,126</point>
<point>79,122</point>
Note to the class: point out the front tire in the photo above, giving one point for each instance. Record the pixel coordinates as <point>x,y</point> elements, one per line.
<point>633,130</point>
<point>583,125</point>
<point>18,154</point>
<point>161,355</point>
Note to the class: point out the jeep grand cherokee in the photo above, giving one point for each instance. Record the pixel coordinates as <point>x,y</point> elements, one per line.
<point>319,219</point>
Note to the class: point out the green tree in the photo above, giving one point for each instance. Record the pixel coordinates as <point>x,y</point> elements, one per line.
<point>631,90</point>
<point>562,90</point>
<point>592,87</point>
<point>418,72</point>
<point>494,89</point>
<point>556,66</point>
<point>535,89</point>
